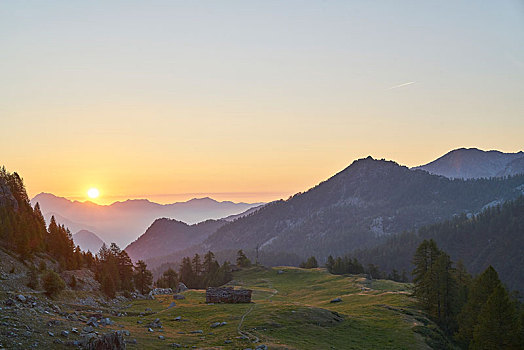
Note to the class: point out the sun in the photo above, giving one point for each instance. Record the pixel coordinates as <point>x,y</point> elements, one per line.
<point>93,193</point>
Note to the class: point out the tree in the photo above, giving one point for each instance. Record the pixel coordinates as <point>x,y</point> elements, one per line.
<point>53,284</point>
<point>497,326</point>
<point>108,286</point>
<point>481,289</point>
<point>169,279</point>
<point>186,272</point>
<point>143,277</point>
<point>310,263</point>
<point>242,259</point>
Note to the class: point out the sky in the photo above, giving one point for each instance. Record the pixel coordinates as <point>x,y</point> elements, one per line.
<point>249,100</point>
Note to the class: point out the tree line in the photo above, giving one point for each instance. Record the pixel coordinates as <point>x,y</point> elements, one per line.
<point>478,313</point>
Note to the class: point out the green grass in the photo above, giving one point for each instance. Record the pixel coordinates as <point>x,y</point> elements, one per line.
<point>290,310</point>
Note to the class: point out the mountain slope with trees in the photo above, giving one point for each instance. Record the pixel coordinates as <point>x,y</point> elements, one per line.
<point>165,236</point>
<point>357,208</point>
<point>493,237</point>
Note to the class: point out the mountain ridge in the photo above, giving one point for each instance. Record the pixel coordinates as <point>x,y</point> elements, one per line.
<point>471,163</point>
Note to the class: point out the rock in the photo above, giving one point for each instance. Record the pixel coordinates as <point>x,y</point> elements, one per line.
<point>149,309</point>
<point>215,325</point>
<point>178,318</point>
<point>181,288</point>
<point>21,298</point>
<point>223,323</point>
<point>178,297</point>
<point>261,347</point>
<point>150,330</point>
<point>156,324</point>
<point>280,272</point>
<point>197,332</point>
<point>336,300</point>
<point>108,341</point>
<point>88,329</point>
<point>92,322</point>
<point>131,341</point>
<point>176,345</point>
<point>173,304</point>
<point>139,322</point>
<point>228,341</point>
<point>161,337</point>
<point>9,302</point>
<point>74,330</point>
<point>51,334</point>
<point>64,334</point>
<point>106,322</point>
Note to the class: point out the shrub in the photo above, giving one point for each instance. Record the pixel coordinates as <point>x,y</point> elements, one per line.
<point>72,283</point>
<point>53,284</point>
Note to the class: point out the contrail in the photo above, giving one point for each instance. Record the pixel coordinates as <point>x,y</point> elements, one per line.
<point>401,85</point>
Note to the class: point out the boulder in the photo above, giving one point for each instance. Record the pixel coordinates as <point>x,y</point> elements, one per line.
<point>336,300</point>
<point>108,341</point>
<point>181,288</point>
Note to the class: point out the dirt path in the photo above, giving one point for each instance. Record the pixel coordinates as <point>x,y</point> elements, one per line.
<point>247,334</point>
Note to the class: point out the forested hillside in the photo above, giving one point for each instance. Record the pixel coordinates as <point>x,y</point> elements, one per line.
<point>493,237</point>
<point>357,208</point>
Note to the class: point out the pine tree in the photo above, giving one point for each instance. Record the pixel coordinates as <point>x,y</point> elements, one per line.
<point>497,324</point>
<point>143,277</point>
<point>242,259</point>
<point>481,289</point>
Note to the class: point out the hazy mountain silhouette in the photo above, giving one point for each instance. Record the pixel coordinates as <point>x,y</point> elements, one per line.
<point>165,236</point>
<point>123,222</point>
<point>472,163</point>
<point>88,241</point>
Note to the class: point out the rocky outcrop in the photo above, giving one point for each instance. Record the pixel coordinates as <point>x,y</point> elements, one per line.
<point>228,295</point>
<point>6,196</point>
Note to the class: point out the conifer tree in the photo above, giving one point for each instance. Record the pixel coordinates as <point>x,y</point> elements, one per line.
<point>143,277</point>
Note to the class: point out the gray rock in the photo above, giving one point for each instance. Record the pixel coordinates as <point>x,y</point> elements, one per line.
<point>181,288</point>
<point>173,304</point>
<point>197,332</point>
<point>149,309</point>
<point>179,297</point>
<point>280,272</point>
<point>92,322</point>
<point>110,341</point>
<point>336,300</point>
<point>131,341</point>
<point>21,298</point>
<point>88,329</point>
<point>9,302</point>
<point>161,337</point>
<point>228,341</point>
<point>51,334</point>
<point>216,324</point>
<point>74,330</point>
<point>64,334</point>
<point>150,330</point>
<point>261,347</point>
<point>176,345</point>
<point>178,318</point>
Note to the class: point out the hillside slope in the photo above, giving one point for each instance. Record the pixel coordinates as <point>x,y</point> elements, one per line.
<point>355,208</point>
<point>494,237</point>
<point>166,236</point>
<point>472,163</point>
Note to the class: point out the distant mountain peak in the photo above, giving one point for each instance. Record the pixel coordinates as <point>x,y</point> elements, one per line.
<point>471,163</point>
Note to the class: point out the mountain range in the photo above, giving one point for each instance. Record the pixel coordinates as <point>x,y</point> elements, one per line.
<point>123,222</point>
<point>363,203</point>
<point>473,163</point>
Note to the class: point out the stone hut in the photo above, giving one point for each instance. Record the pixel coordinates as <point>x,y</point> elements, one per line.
<point>228,295</point>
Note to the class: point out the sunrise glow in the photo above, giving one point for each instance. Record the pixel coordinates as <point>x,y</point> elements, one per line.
<point>93,193</point>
